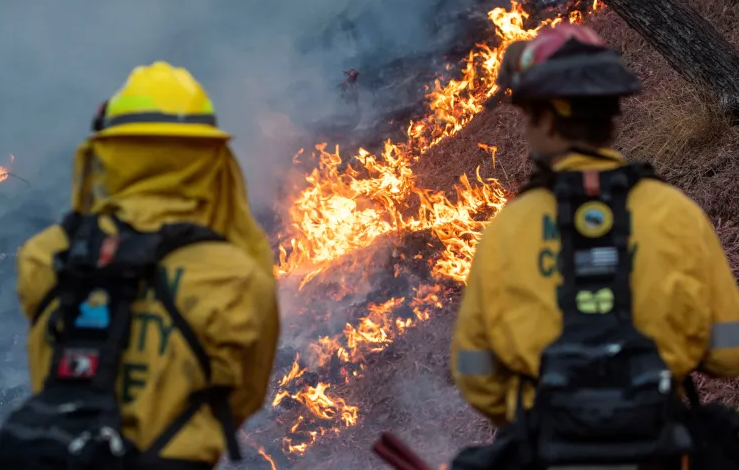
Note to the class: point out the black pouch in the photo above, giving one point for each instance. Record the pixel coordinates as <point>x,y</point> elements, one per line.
<point>74,421</point>
<point>715,430</point>
<point>505,453</point>
<point>50,433</point>
<point>604,395</point>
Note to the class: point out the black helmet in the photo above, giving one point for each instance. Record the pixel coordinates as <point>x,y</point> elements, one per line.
<point>567,61</point>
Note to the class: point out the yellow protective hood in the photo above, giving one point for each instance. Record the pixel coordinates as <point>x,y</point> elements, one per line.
<point>150,181</point>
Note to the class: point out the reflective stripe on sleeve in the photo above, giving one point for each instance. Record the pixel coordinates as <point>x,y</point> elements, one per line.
<point>475,362</point>
<point>725,335</point>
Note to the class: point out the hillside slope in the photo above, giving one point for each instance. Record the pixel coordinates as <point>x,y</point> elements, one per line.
<point>408,388</point>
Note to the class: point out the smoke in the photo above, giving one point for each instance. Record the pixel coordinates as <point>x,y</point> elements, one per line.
<point>270,67</point>
<point>264,63</point>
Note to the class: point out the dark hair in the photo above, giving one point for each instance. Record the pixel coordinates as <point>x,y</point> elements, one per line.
<point>590,121</point>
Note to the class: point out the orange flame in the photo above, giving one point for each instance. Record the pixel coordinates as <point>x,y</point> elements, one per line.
<point>266,457</point>
<point>348,204</point>
<point>5,171</point>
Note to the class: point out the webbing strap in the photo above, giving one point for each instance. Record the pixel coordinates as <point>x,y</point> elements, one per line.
<point>524,426</point>
<point>619,191</point>
<point>691,391</point>
<point>566,293</point>
<point>197,400</point>
<point>112,350</point>
<point>44,304</point>
<point>69,225</point>
<point>572,191</point>
<point>217,397</point>
<point>73,269</point>
<point>164,295</point>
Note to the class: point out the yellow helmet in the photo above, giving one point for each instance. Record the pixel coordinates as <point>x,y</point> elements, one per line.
<point>162,100</point>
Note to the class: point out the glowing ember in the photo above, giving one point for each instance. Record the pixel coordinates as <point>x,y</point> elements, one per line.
<point>4,171</point>
<point>266,457</point>
<point>347,204</point>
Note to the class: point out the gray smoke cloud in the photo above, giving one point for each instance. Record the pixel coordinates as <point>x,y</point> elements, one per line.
<point>270,67</point>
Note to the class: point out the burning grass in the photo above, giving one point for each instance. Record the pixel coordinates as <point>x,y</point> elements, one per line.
<point>371,253</point>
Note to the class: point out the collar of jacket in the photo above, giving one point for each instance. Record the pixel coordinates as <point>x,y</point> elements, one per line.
<point>576,161</point>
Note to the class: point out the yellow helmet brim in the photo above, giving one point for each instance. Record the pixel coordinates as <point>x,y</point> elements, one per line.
<point>164,129</point>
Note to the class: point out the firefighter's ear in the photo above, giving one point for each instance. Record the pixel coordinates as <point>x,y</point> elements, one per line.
<point>547,120</point>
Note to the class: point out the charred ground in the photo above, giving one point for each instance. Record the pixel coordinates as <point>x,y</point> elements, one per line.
<point>407,387</point>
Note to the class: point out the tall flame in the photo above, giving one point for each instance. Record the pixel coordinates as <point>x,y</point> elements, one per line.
<point>347,204</point>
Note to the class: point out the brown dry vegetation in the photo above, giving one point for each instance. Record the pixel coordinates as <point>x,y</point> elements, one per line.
<point>673,124</point>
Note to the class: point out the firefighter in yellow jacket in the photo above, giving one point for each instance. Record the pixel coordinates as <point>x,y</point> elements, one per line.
<point>568,85</point>
<point>156,157</point>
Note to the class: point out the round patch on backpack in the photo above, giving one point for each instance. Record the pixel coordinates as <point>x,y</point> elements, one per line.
<point>593,219</point>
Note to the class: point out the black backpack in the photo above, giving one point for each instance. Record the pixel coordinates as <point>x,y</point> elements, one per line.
<point>604,395</point>
<point>74,422</point>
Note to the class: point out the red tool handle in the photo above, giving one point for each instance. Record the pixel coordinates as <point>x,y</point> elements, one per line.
<point>398,455</point>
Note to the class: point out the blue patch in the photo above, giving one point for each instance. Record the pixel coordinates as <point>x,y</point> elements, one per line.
<point>94,312</point>
<point>594,218</point>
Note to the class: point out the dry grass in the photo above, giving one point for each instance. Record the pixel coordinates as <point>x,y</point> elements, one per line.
<point>674,125</point>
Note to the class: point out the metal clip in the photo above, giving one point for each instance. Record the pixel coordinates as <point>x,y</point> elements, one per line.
<point>115,441</point>
<point>665,382</point>
<point>75,447</point>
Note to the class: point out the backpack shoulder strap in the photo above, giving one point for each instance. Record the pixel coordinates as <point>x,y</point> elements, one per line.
<point>691,391</point>
<point>95,297</point>
<point>641,170</point>
<point>180,235</point>
<point>594,226</point>
<point>69,224</point>
<point>174,237</point>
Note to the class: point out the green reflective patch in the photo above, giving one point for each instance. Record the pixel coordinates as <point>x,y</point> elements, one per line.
<point>599,302</point>
<point>208,107</point>
<point>120,104</point>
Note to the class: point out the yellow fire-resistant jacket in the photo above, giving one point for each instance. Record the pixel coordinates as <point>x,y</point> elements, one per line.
<point>225,291</point>
<point>684,294</point>
<point>230,304</point>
